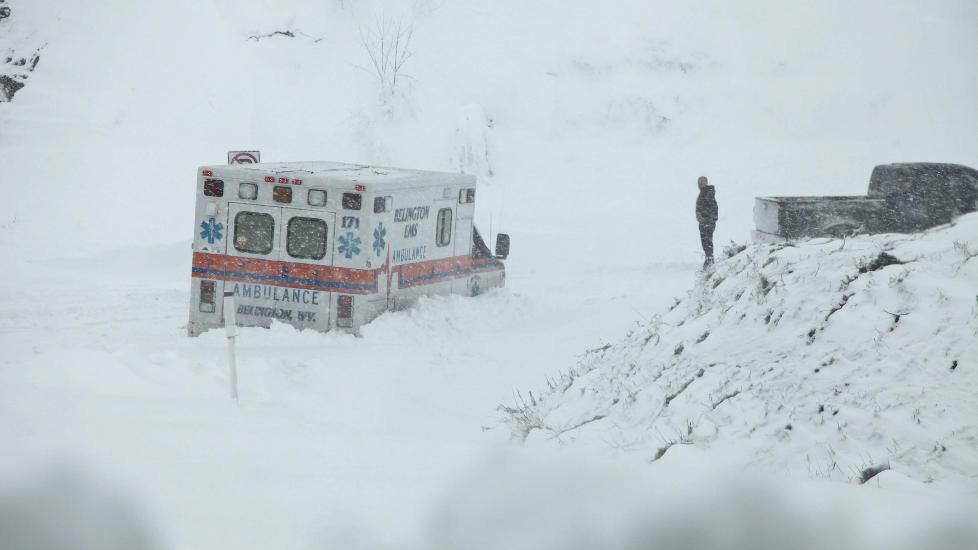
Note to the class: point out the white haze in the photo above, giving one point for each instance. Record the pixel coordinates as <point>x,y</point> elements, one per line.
<point>116,429</point>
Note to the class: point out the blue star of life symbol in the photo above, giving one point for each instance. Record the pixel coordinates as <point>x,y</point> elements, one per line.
<point>349,245</point>
<point>379,235</point>
<point>212,230</point>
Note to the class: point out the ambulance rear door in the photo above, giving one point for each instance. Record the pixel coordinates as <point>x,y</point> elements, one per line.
<point>307,256</point>
<point>252,261</point>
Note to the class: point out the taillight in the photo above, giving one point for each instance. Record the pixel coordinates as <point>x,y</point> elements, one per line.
<point>344,311</point>
<point>207,296</point>
<point>214,188</point>
<point>282,194</point>
<point>352,201</point>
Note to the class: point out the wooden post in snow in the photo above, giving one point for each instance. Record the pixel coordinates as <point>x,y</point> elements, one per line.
<point>231,328</point>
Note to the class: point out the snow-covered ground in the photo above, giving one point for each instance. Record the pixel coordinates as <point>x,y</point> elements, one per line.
<point>332,429</point>
<point>588,126</point>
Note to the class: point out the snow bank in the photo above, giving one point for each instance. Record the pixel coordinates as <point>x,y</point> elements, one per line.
<point>835,359</point>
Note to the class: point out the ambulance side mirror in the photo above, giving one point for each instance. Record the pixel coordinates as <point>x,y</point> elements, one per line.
<point>502,246</point>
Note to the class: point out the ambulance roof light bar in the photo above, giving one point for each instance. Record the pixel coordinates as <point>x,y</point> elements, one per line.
<point>361,187</point>
<point>208,173</point>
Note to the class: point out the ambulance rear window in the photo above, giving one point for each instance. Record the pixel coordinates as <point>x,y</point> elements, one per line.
<point>352,201</point>
<point>214,188</point>
<point>254,232</point>
<point>306,238</point>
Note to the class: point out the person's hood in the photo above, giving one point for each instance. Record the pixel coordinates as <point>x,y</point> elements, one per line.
<point>709,191</point>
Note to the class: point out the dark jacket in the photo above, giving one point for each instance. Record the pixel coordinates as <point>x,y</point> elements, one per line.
<point>707,211</point>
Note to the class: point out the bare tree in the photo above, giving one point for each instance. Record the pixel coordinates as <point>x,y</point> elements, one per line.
<point>388,44</point>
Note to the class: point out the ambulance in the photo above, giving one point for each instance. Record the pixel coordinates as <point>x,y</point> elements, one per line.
<point>324,245</point>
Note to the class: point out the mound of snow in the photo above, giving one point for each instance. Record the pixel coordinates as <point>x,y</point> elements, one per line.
<point>839,359</point>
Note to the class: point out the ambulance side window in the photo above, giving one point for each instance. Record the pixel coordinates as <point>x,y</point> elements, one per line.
<point>306,238</point>
<point>254,232</point>
<point>443,231</point>
<point>383,204</point>
<point>479,249</point>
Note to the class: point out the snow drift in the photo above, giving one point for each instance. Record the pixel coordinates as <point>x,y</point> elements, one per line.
<point>836,359</point>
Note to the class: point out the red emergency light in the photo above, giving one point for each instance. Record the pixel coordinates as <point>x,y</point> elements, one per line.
<point>208,173</point>
<point>270,179</point>
<point>296,182</point>
<point>361,188</point>
<point>283,180</point>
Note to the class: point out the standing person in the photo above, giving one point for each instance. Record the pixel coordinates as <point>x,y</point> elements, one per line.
<point>707,213</point>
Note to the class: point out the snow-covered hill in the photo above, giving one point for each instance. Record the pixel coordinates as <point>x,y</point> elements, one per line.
<point>835,359</point>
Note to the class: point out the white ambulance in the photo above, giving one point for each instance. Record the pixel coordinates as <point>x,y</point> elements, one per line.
<point>322,244</point>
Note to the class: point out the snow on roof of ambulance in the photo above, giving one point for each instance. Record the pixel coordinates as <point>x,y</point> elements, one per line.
<point>340,171</point>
